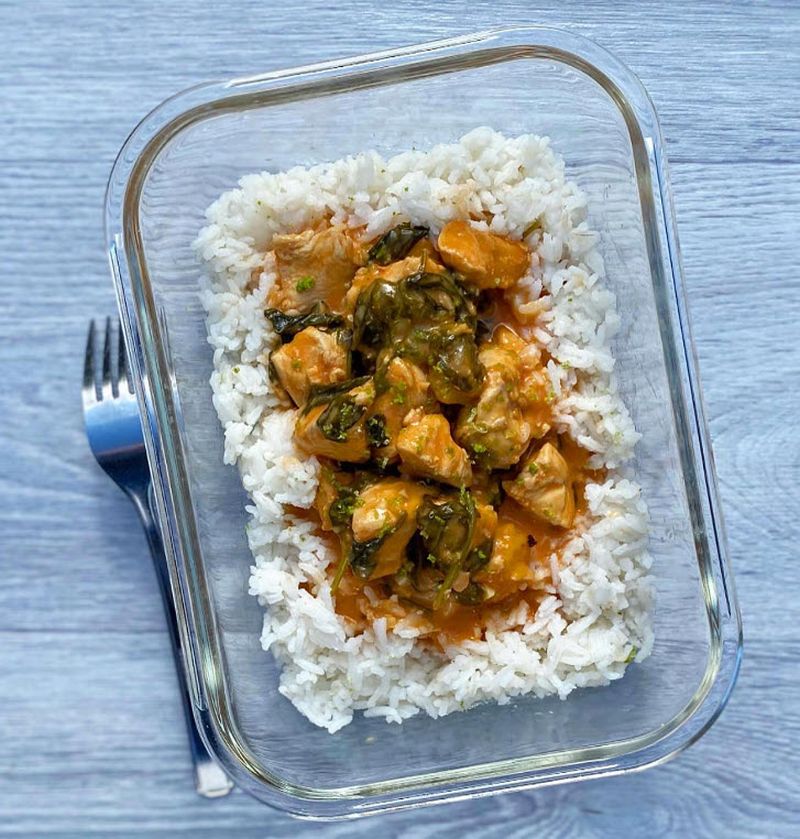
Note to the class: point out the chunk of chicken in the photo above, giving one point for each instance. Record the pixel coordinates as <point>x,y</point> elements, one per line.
<point>312,357</point>
<point>496,429</point>
<point>425,249</point>
<point>427,449</point>
<point>345,416</point>
<point>386,510</point>
<point>535,390</point>
<point>407,388</point>
<point>484,259</point>
<point>505,338</point>
<point>485,525</point>
<point>511,561</point>
<point>313,265</point>
<point>544,487</point>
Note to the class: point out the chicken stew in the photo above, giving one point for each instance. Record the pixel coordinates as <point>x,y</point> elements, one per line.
<point>444,488</point>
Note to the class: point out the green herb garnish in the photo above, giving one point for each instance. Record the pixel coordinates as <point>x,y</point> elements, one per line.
<point>399,393</point>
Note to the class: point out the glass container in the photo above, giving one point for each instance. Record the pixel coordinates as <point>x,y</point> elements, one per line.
<point>600,119</point>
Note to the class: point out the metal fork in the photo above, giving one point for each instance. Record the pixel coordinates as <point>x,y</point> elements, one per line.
<point>115,436</point>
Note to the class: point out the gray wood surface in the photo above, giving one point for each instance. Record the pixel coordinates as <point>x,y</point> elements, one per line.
<point>91,739</point>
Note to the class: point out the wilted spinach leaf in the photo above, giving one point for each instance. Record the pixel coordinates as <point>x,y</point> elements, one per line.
<point>472,595</point>
<point>478,557</point>
<point>446,528</point>
<point>362,555</point>
<point>456,375</point>
<point>320,394</point>
<point>376,431</point>
<point>341,415</point>
<point>396,243</point>
<point>375,309</point>
<point>287,326</point>
<point>342,508</point>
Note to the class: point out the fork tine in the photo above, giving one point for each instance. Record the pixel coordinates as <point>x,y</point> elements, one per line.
<point>107,383</point>
<point>89,391</point>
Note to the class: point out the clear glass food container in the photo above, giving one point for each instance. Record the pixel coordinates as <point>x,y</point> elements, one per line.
<point>528,79</point>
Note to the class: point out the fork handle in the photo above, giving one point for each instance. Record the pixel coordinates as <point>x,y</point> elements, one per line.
<point>210,780</point>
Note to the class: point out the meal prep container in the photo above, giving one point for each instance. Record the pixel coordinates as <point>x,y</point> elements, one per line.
<point>196,145</point>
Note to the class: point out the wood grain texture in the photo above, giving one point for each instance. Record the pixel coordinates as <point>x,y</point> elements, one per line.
<point>92,740</point>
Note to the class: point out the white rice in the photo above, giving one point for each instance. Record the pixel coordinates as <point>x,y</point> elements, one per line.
<point>598,614</point>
